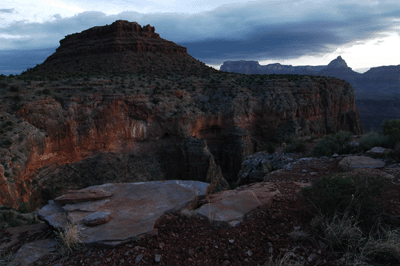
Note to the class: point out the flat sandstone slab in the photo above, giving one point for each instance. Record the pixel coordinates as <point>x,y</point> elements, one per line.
<point>232,205</point>
<point>86,194</point>
<point>133,208</point>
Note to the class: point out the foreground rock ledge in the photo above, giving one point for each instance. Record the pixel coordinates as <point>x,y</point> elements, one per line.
<point>133,207</point>
<point>231,206</point>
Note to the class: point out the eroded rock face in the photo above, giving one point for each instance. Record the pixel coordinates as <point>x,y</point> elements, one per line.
<point>93,139</point>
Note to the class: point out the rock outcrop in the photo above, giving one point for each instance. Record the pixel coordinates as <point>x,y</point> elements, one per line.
<point>231,206</point>
<point>122,46</point>
<point>337,63</point>
<point>350,163</point>
<point>131,209</point>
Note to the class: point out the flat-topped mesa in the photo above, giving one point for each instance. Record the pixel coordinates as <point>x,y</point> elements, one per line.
<point>120,36</point>
<point>122,47</point>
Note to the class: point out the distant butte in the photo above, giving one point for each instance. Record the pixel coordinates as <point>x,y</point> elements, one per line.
<point>122,46</point>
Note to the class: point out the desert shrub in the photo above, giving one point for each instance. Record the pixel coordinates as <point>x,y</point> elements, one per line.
<point>270,147</point>
<point>334,143</point>
<point>8,123</point>
<point>295,145</point>
<point>46,91</point>
<point>373,139</point>
<point>391,128</point>
<point>6,143</point>
<point>14,88</point>
<point>15,107</point>
<point>312,138</point>
<point>397,151</point>
<point>17,98</point>
<point>3,85</point>
<point>14,223</point>
<point>24,207</point>
<point>346,196</point>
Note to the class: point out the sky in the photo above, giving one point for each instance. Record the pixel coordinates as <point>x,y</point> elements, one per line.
<point>365,33</point>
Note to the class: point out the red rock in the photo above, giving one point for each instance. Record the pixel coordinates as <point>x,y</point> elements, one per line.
<point>75,196</point>
<point>122,46</point>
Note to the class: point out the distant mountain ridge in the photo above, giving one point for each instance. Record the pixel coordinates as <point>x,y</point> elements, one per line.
<point>254,67</point>
<point>377,80</point>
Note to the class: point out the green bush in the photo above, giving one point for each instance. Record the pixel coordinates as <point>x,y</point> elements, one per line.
<point>397,151</point>
<point>296,146</point>
<point>6,143</point>
<point>24,207</point>
<point>335,143</point>
<point>14,88</point>
<point>373,139</point>
<point>391,128</point>
<point>3,85</point>
<point>270,147</point>
<point>351,195</point>
<point>8,123</point>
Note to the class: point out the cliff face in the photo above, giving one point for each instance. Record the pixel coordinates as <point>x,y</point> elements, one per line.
<point>96,138</point>
<point>117,37</point>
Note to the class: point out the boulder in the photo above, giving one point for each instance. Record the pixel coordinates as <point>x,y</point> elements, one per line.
<point>232,205</point>
<point>379,152</point>
<point>256,166</point>
<point>96,218</point>
<point>131,211</point>
<point>33,251</point>
<point>353,162</point>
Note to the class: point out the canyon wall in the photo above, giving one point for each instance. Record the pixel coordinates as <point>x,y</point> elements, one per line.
<point>97,138</point>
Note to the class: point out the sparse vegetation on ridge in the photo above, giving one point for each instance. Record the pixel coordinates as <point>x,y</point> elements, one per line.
<point>350,220</point>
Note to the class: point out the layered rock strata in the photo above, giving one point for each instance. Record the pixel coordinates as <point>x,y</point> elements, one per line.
<point>92,139</point>
<point>122,46</point>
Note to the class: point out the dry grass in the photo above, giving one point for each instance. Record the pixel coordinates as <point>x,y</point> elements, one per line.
<point>71,238</point>
<point>289,259</point>
<point>380,247</point>
<point>5,259</point>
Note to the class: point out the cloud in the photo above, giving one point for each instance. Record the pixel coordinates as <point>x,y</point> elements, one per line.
<point>258,30</point>
<point>5,10</point>
<point>16,61</point>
